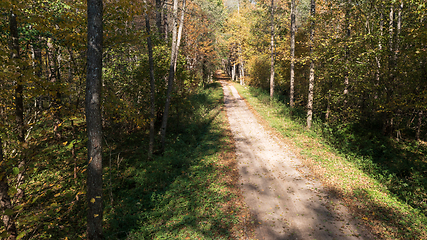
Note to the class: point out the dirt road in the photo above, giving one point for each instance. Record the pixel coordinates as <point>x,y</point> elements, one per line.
<point>285,204</point>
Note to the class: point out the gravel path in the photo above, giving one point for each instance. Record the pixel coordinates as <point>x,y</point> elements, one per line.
<point>285,204</point>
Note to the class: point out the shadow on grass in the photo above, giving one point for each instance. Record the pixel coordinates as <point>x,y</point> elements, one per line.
<point>176,195</point>
<point>399,224</point>
<point>401,166</point>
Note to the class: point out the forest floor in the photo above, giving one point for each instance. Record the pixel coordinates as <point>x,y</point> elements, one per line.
<point>285,201</point>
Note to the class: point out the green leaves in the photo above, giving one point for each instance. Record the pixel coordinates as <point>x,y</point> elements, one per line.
<point>8,212</point>
<point>12,191</point>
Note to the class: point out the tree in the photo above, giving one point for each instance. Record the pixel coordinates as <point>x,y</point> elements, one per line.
<point>311,76</point>
<point>292,68</point>
<point>93,118</point>
<point>272,52</point>
<point>152,87</point>
<point>176,40</point>
<point>19,92</point>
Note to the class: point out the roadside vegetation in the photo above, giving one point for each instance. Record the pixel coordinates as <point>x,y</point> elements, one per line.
<point>381,180</point>
<point>189,192</point>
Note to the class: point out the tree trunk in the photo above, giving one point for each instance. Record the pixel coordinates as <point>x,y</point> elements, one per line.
<point>6,203</point>
<point>233,73</point>
<point>165,23</point>
<point>292,81</point>
<point>328,106</point>
<point>54,77</point>
<point>181,26</point>
<point>347,52</point>
<point>176,38</point>
<point>398,29</point>
<point>159,9</point>
<point>377,59</point>
<point>37,57</point>
<point>391,40</point>
<point>419,124</point>
<point>152,88</point>
<point>19,102</point>
<point>311,77</point>
<point>272,52</point>
<point>387,119</point>
<point>93,119</point>
<point>241,69</point>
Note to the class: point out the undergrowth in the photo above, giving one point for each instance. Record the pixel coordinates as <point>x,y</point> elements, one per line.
<point>382,180</point>
<point>185,193</point>
<point>188,192</point>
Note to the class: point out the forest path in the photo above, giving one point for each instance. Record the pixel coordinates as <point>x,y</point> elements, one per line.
<point>284,202</point>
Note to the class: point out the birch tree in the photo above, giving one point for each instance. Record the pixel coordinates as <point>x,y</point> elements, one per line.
<point>272,52</point>
<point>292,68</point>
<point>176,40</point>
<point>311,76</point>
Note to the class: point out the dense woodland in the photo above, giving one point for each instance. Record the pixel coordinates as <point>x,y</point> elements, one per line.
<point>354,71</point>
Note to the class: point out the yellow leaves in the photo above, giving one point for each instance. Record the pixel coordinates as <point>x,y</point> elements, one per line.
<point>93,199</point>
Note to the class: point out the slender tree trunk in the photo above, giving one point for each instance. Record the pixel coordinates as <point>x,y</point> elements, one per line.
<point>152,88</point>
<point>37,57</point>
<point>6,203</point>
<point>391,41</point>
<point>181,26</point>
<point>54,77</point>
<point>292,81</point>
<point>272,52</point>
<point>419,124</point>
<point>171,77</point>
<point>311,77</point>
<point>19,102</point>
<point>165,22</point>
<point>388,120</point>
<point>377,59</point>
<point>93,119</point>
<point>233,73</point>
<point>328,106</point>
<point>347,52</point>
<point>159,8</point>
<point>241,68</point>
<point>398,29</point>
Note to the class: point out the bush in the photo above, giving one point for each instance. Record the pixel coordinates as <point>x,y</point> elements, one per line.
<point>259,71</point>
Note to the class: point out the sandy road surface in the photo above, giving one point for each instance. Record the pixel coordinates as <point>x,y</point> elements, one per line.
<point>284,203</point>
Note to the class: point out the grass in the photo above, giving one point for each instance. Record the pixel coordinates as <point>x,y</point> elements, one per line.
<point>370,188</point>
